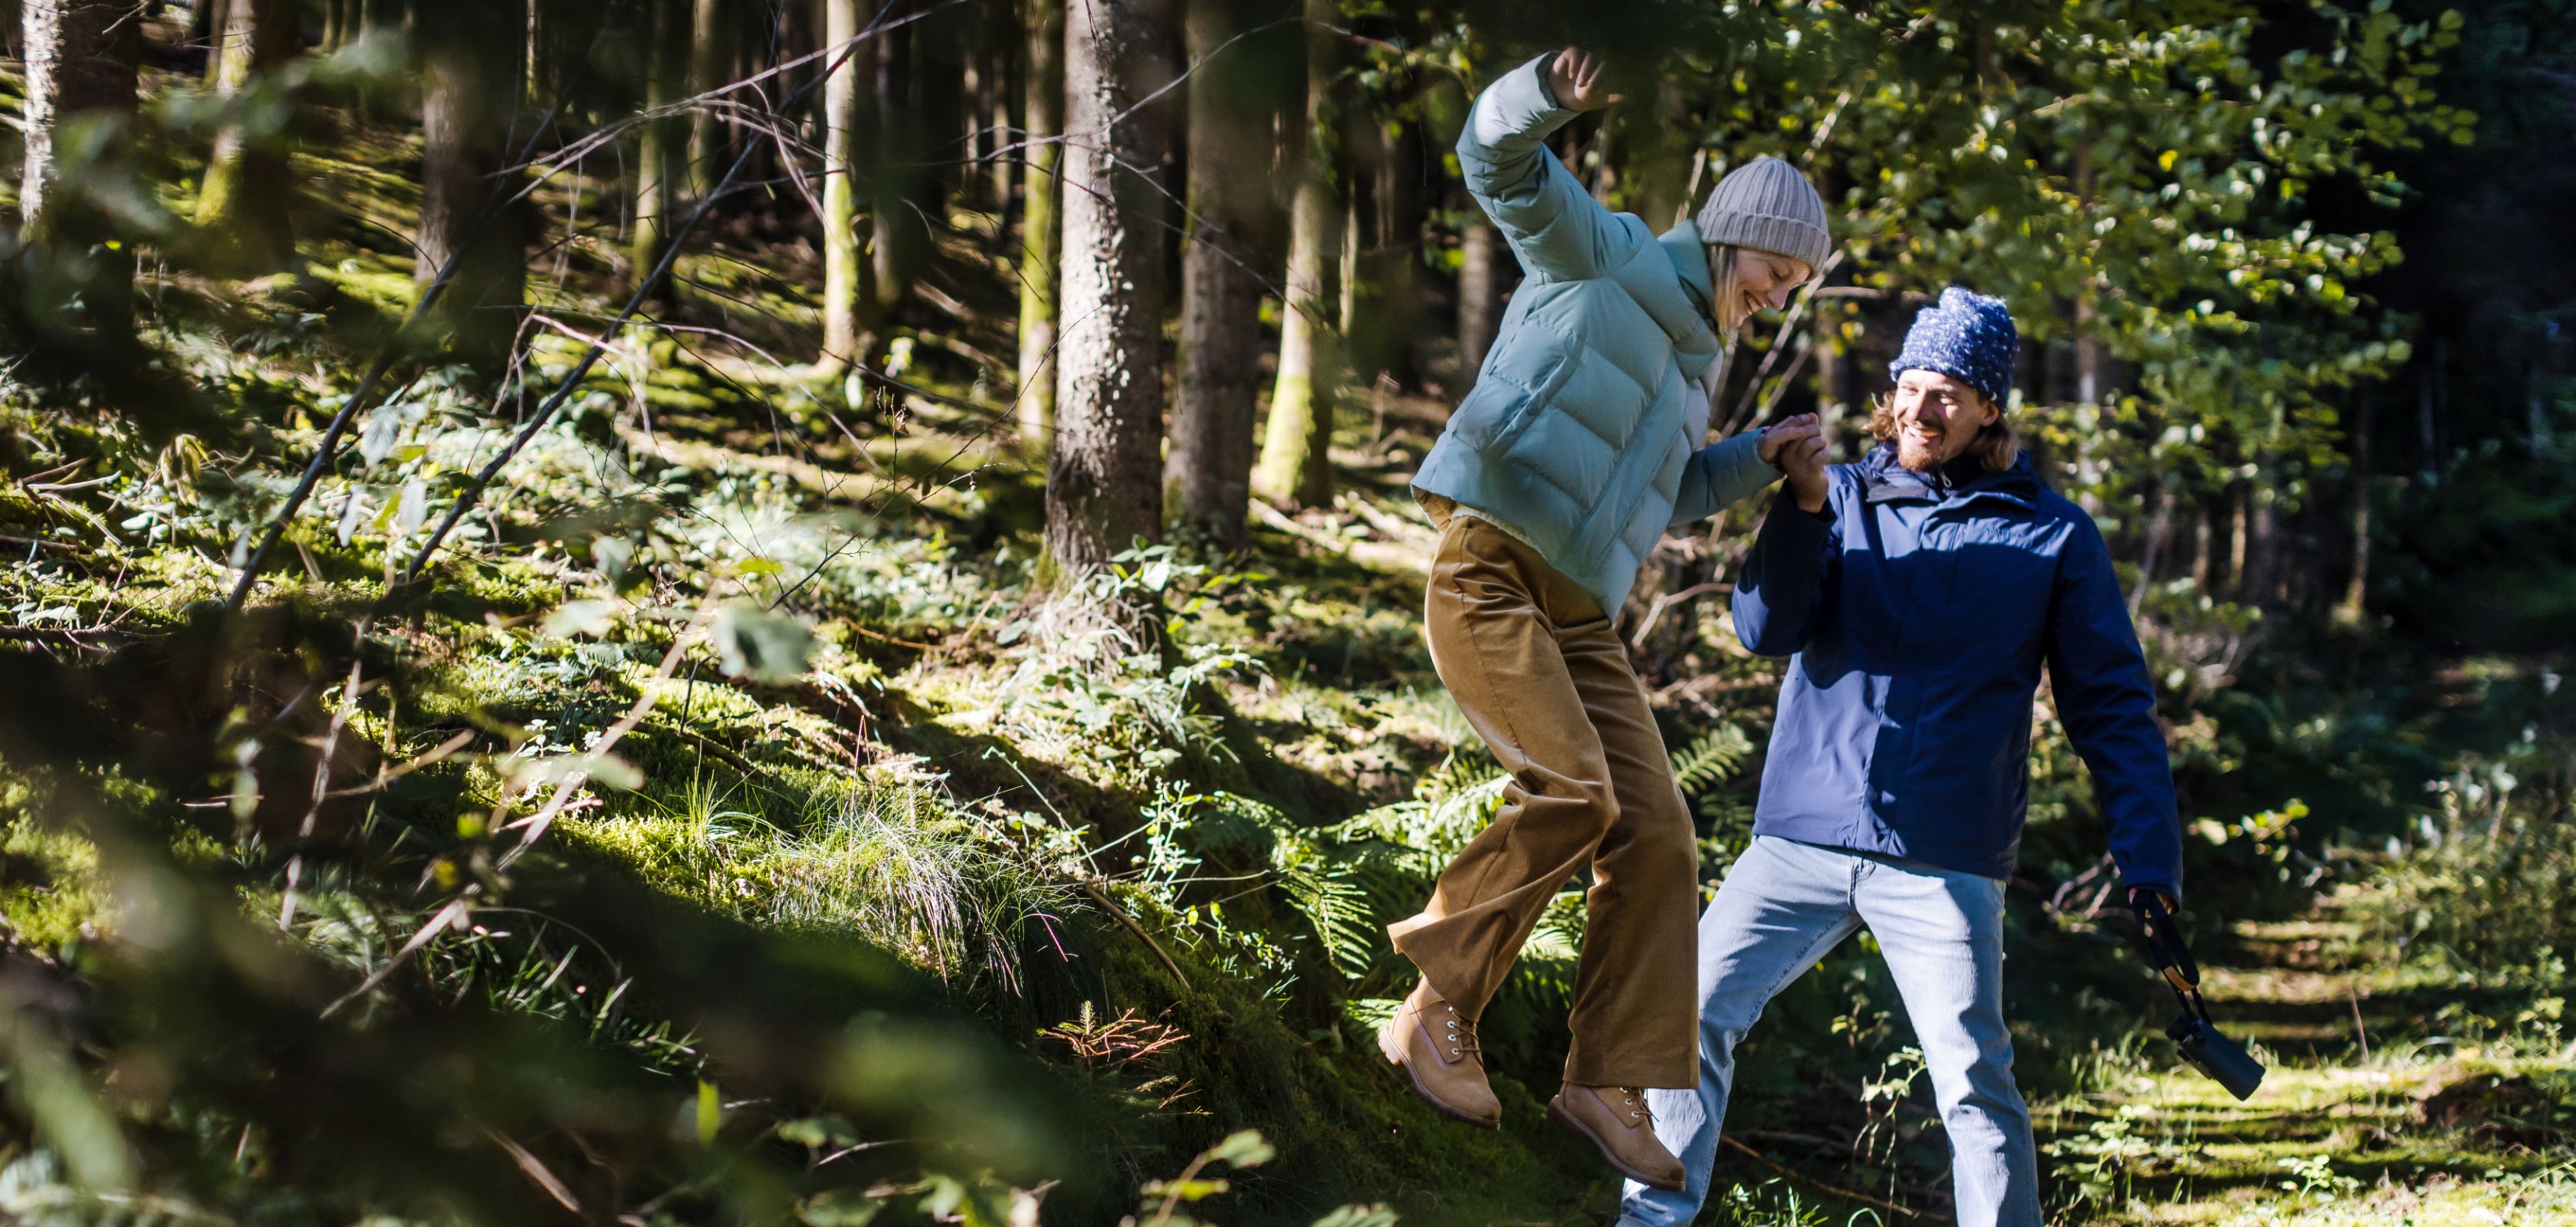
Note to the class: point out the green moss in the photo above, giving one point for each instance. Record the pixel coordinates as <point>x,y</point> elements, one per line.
<point>52,893</point>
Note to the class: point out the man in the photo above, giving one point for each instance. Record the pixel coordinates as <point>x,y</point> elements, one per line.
<point>1579,445</point>
<point>1918,593</point>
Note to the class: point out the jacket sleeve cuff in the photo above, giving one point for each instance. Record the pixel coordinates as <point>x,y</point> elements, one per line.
<point>2163,888</point>
<point>1739,468</point>
<point>1517,112</point>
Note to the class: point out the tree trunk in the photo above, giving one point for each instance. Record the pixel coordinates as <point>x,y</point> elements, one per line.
<point>847,318</point>
<point>997,110</point>
<point>1480,308</point>
<point>712,30</point>
<point>1104,481</point>
<point>1043,81</point>
<point>2356,593</point>
<point>898,238</point>
<point>206,29</point>
<point>2240,524</point>
<point>81,58</point>
<point>1397,254</point>
<point>1209,473</point>
<point>660,145</point>
<point>1296,468</point>
<point>242,208</point>
<point>471,65</point>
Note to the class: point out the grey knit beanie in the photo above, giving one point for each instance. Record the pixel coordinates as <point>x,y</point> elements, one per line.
<point>1767,205</point>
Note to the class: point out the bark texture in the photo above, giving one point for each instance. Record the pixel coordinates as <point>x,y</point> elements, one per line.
<point>1043,105</point>
<point>80,63</point>
<point>1104,479</point>
<point>472,66</point>
<point>1208,475</point>
<point>1295,468</point>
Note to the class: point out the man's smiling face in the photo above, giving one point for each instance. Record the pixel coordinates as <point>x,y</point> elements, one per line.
<point>1937,417</point>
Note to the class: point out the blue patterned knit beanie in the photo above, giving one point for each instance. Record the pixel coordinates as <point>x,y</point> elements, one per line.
<point>1966,336</point>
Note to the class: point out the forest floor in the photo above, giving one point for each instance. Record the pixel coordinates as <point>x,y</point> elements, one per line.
<point>2368,1116</point>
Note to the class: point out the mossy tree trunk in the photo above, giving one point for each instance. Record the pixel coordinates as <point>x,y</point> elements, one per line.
<point>242,206</point>
<point>471,69</point>
<point>661,143</point>
<point>1208,476</point>
<point>81,58</point>
<point>848,314</point>
<point>1104,478</point>
<point>1295,468</point>
<point>713,28</point>
<point>903,140</point>
<point>1042,79</point>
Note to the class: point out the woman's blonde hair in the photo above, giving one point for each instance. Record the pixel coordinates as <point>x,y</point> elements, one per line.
<point>1995,447</point>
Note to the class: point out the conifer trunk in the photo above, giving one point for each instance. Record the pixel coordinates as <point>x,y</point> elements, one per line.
<point>242,204</point>
<point>712,32</point>
<point>660,144</point>
<point>1295,468</point>
<point>472,66</point>
<point>1209,473</point>
<point>845,271</point>
<point>1043,83</point>
<point>81,58</point>
<point>1104,479</point>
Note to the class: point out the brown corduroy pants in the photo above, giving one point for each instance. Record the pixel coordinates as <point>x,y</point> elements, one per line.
<point>1535,664</point>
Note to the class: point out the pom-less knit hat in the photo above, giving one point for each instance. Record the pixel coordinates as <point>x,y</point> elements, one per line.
<point>1966,336</point>
<point>1767,205</point>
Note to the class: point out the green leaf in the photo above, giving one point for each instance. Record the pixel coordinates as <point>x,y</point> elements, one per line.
<point>762,646</point>
<point>710,1112</point>
<point>829,1131</point>
<point>1243,1149</point>
<point>1358,1216</point>
<point>838,1208</point>
<point>1185,1190</point>
<point>587,617</point>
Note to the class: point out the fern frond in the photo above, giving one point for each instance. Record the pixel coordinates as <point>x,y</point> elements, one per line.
<point>1712,760</point>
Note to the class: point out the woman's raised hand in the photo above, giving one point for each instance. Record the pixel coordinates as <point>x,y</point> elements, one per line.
<point>1575,78</point>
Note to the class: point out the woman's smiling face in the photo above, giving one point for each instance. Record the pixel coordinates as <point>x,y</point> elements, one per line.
<point>1760,279</point>
<point>1937,417</point>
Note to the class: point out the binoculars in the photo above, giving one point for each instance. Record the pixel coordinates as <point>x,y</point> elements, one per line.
<point>2202,1044</point>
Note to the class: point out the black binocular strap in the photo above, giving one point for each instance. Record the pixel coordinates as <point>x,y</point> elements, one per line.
<point>2170,954</point>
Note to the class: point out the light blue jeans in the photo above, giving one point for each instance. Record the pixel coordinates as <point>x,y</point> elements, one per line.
<point>1783,905</point>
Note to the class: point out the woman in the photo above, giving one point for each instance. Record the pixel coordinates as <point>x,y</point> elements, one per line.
<point>1577,448</point>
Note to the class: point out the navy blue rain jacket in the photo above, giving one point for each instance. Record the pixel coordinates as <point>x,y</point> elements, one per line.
<point>1918,608</point>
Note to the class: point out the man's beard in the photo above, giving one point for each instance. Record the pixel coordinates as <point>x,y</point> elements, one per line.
<point>1911,453</point>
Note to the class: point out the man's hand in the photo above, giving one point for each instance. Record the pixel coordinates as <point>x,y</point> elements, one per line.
<point>1574,77</point>
<point>1782,433</point>
<point>1801,455</point>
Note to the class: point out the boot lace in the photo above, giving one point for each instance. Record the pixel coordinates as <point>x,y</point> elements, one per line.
<point>1639,1112</point>
<point>1460,1035</point>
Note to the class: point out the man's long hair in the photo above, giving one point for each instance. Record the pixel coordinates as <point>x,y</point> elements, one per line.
<point>1995,447</point>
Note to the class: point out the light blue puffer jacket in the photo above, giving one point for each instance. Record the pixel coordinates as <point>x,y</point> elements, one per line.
<point>1580,432</point>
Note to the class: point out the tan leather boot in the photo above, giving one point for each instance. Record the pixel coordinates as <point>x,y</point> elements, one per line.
<point>1437,1048</point>
<point>1616,1119</point>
